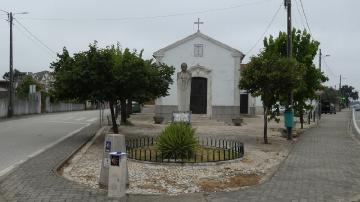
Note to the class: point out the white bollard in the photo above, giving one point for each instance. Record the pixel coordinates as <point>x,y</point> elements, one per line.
<point>112,143</point>
<point>117,175</point>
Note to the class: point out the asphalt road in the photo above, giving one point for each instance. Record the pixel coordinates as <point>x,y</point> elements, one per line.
<point>21,138</point>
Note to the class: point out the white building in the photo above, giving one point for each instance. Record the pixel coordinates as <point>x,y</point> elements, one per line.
<point>215,69</point>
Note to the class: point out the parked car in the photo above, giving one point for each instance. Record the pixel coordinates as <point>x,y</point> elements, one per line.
<point>136,108</point>
<point>328,107</point>
<point>356,107</point>
<point>281,109</point>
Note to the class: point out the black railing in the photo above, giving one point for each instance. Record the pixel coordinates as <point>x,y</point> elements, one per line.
<point>210,150</point>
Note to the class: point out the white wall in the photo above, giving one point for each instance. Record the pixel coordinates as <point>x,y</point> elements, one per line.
<point>3,107</point>
<point>33,106</point>
<point>219,60</point>
<point>22,106</point>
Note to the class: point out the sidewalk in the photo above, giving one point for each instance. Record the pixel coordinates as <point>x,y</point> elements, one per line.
<point>324,165</point>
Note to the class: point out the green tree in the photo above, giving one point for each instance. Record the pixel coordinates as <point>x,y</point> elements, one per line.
<point>22,90</point>
<point>17,75</point>
<point>330,94</point>
<point>347,92</point>
<point>108,75</point>
<point>270,77</point>
<point>304,52</point>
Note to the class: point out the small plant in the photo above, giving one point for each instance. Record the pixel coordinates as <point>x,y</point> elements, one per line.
<point>177,141</point>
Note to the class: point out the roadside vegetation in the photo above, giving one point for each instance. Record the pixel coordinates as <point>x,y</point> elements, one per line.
<point>273,76</point>
<point>110,75</point>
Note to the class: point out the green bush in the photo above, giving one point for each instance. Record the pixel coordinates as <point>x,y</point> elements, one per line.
<point>177,140</point>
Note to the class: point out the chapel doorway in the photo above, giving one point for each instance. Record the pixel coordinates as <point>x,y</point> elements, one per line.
<point>198,97</point>
<point>244,103</point>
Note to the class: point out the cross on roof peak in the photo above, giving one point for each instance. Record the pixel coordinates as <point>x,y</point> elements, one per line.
<point>198,24</point>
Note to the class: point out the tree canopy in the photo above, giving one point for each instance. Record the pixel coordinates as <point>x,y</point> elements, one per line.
<point>22,90</point>
<point>110,75</point>
<point>271,75</point>
<point>347,92</point>
<point>304,52</point>
<point>17,75</point>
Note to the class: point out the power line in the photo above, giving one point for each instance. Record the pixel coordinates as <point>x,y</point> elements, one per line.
<point>328,67</point>
<point>300,15</point>
<point>303,10</point>
<point>35,37</point>
<point>266,29</point>
<point>151,17</point>
<point>33,40</point>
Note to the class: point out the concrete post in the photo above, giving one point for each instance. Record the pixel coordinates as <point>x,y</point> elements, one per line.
<point>117,175</point>
<point>112,143</point>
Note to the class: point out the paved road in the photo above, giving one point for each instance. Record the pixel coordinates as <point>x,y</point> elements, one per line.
<point>24,137</point>
<point>323,166</point>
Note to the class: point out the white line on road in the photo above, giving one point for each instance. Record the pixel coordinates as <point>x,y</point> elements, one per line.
<point>92,119</point>
<point>66,122</point>
<point>355,124</point>
<point>80,119</point>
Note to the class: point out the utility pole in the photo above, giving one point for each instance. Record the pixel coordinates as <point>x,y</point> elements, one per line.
<point>289,111</point>
<point>341,95</point>
<point>11,72</point>
<point>289,29</point>
<point>320,55</point>
<point>11,75</point>
<point>340,84</point>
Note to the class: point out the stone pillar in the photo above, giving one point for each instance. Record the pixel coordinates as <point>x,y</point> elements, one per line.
<point>117,175</point>
<point>112,143</point>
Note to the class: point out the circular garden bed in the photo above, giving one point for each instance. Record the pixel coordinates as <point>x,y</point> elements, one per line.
<point>208,149</point>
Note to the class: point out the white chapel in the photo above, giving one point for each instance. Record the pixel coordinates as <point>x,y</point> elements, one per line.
<point>215,73</point>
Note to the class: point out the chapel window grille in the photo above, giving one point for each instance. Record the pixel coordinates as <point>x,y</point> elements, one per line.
<point>198,50</point>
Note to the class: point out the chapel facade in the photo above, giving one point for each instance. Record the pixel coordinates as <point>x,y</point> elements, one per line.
<point>215,71</point>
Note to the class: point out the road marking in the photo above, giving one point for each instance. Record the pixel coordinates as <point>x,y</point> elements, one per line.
<point>66,122</point>
<point>355,124</point>
<point>7,170</point>
<point>80,119</point>
<point>92,119</point>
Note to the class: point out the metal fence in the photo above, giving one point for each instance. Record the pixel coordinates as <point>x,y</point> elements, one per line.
<point>210,150</point>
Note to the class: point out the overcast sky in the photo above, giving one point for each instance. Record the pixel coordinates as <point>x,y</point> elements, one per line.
<point>151,25</point>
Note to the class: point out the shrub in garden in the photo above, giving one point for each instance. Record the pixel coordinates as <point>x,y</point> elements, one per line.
<point>177,140</point>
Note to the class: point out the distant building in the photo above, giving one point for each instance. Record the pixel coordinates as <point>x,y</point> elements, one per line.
<point>45,78</point>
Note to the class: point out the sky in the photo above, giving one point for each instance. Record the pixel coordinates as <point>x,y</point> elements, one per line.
<point>51,25</point>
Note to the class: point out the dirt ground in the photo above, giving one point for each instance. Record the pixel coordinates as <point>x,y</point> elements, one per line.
<point>258,163</point>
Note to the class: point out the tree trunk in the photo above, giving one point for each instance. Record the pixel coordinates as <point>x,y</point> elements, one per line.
<point>113,118</point>
<point>117,110</point>
<point>123,111</point>
<point>309,116</point>
<point>129,107</point>
<point>265,126</point>
<point>302,119</point>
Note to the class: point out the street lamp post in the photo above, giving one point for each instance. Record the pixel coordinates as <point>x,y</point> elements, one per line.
<point>320,58</point>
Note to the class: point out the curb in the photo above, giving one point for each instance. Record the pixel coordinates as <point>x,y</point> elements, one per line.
<point>81,149</point>
<point>5,172</point>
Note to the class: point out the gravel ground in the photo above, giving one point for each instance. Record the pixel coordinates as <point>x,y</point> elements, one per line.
<point>259,162</point>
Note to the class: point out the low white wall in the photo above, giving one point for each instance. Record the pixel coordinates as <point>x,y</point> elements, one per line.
<point>62,107</point>
<point>32,105</point>
<point>3,107</point>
